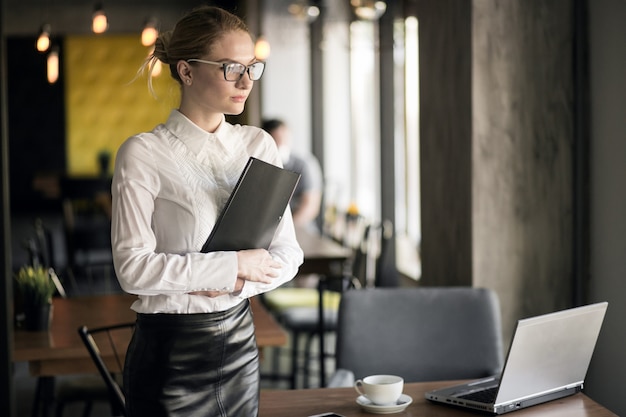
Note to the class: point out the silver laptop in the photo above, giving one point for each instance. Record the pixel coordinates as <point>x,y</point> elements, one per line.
<point>548,359</point>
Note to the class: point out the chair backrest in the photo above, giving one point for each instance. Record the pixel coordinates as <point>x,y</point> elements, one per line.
<point>421,334</point>
<point>385,265</point>
<point>41,253</point>
<point>107,347</point>
<point>370,253</point>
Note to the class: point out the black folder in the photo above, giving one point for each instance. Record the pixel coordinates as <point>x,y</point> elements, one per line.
<point>255,207</point>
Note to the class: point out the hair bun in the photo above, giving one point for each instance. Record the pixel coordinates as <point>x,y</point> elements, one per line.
<point>161,45</point>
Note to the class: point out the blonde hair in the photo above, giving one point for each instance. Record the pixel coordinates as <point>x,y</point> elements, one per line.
<point>192,37</point>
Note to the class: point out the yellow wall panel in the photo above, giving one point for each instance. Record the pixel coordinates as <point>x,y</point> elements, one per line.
<point>105,103</point>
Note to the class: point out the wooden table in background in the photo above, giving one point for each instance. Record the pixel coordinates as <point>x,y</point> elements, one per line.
<point>276,403</point>
<point>60,351</point>
<point>322,255</point>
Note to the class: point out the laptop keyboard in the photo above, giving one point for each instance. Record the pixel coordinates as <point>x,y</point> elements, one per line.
<point>487,396</point>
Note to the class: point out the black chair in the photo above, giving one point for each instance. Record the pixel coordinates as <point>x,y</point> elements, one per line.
<point>421,334</point>
<point>96,341</point>
<point>40,247</point>
<point>40,251</point>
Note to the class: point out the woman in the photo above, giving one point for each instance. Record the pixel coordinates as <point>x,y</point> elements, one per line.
<point>194,352</point>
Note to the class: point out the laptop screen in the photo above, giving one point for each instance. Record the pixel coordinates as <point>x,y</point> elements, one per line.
<point>550,352</point>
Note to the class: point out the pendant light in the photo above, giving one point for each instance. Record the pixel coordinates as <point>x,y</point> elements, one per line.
<point>150,33</point>
<point>43,41</point>
<point>368,9</point>
<point>99,22</point>
<point>262,48</point>
<point>52,65</point>
<point>304,11</point>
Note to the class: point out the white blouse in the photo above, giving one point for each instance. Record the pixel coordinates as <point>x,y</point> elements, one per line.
<point>169,186</point>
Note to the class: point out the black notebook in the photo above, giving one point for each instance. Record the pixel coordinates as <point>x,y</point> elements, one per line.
<point>255,207</point>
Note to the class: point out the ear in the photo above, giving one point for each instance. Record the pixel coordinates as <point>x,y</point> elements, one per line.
<point>184,70</point>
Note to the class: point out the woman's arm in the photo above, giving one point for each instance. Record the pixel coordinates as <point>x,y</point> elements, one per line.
<point>139,267</point>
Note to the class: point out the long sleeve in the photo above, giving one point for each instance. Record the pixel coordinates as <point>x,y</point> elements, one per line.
<point>168,187</point>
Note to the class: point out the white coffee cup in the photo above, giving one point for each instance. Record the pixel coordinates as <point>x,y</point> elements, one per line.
<point>380,389</point>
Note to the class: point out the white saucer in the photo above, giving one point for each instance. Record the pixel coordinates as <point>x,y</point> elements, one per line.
<point>367,405</point>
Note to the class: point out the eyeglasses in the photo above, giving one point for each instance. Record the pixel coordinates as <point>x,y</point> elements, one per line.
<point>233,71</point>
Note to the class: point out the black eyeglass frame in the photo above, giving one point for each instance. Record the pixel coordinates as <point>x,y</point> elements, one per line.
<point>225,65</point>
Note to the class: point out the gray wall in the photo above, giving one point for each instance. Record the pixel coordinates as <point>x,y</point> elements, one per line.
<point>522,154</point>
<point>607,376</point>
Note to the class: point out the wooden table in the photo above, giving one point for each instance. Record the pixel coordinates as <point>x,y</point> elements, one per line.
<point>324,257</point>
<point>303,403</point>
<point>60,351</point>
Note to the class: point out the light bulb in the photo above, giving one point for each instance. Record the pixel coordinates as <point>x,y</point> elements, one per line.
<point>368,9</point>
<point>262,48</point>
<point>99,24</point>
<point>312,12</point>
<point>43,41</point>
<point>303,11</point>
<point>149,34</point>
<point>53,66</point>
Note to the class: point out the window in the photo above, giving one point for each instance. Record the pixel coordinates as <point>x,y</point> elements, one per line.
<point>408,218</point>
<point>351,118</point>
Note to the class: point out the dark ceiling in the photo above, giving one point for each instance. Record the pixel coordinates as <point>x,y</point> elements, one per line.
<point>24,17</point>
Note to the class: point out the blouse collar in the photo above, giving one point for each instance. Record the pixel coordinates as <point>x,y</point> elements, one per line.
<point>194,137</point>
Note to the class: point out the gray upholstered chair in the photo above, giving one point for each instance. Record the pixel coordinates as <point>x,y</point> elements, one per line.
<point>421,334</point>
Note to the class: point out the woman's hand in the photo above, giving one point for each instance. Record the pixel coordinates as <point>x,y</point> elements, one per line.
<point>257,265</point>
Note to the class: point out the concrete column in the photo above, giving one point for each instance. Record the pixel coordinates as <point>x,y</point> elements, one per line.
<point>522,198</point>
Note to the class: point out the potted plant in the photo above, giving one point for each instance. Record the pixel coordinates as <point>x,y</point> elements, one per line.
<point>35,289</point>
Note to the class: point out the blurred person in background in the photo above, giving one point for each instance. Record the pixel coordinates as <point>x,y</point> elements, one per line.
<point>307,198</point>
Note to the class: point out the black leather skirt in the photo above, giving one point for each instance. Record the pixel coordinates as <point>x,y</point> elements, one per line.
<point>193,365</point>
